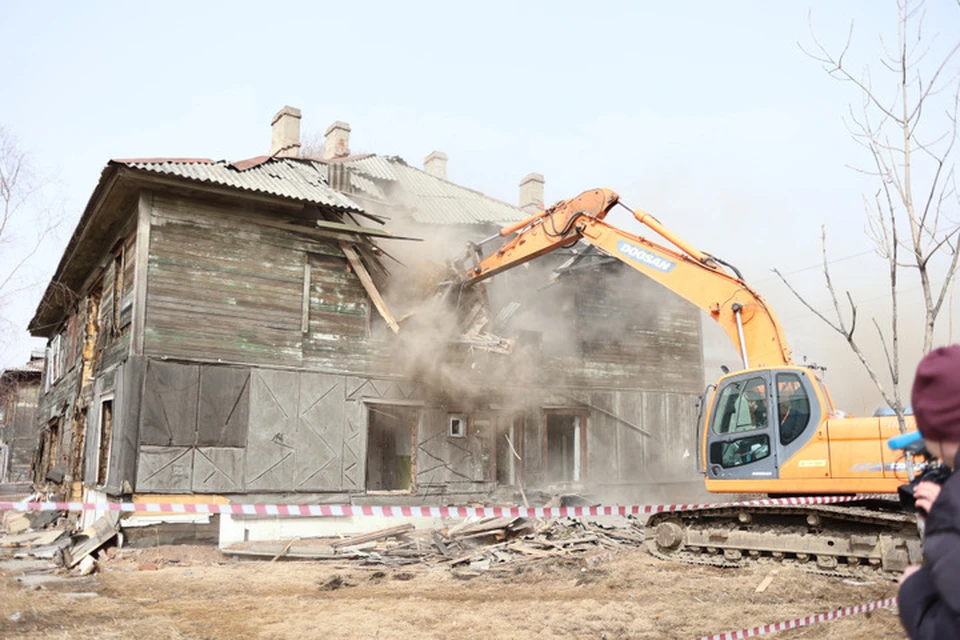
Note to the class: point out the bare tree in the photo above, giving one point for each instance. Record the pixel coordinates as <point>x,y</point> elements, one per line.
<point>25,222</point>
<point>312,146</point>
<point>908,126</point>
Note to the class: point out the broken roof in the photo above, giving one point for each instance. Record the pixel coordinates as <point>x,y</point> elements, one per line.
<point>433,200</point>
<point>298,179</point>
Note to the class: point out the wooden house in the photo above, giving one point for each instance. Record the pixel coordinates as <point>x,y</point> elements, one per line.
<point>219,329</point>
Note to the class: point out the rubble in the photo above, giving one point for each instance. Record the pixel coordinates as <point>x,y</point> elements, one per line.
<point>40,542</point>
<point>467,547</point>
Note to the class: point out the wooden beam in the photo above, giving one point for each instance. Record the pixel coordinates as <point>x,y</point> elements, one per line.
<point>371,288</point>
<point>373,536</point>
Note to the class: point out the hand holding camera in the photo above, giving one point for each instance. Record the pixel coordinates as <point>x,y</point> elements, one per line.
<point>925,494</point>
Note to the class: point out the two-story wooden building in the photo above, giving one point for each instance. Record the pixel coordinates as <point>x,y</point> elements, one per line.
<point>230,329</point>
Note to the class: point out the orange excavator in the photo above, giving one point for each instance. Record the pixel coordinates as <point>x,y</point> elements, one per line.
<point>770,428</point>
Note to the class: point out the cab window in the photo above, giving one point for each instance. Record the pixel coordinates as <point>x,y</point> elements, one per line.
<point>734,453</point>
<point>742,406</point>
<point>793,407</point>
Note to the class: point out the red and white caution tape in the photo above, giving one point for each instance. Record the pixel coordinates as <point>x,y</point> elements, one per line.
<point>324,510</point>
<point>801,622</point>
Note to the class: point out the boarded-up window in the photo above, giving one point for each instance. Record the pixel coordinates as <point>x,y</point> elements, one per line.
<point>224,407</point>
<point>169,414</point>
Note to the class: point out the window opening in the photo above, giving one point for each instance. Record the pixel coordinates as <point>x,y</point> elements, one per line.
<point>457,425</point>
<point>105,428</point>
<point>49,449</point>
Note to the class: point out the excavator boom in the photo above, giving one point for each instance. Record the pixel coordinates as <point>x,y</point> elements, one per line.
<point>694,275</point>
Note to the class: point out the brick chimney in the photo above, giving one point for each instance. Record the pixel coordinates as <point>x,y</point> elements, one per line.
<point>286,133</point>
<point>436,164</point>
<point>531,193</point>
<point>336,143</point>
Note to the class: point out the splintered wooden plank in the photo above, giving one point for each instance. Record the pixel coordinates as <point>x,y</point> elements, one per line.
<point>367,282</point>
<point>440,544</point>
<point>484,526</point>
<point>373,535</point>
<point>99,534</point>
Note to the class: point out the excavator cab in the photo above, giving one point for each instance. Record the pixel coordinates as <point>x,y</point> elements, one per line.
<point>757,420</point>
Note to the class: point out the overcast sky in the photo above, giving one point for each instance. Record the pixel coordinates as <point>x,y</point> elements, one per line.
<point>707,114</point>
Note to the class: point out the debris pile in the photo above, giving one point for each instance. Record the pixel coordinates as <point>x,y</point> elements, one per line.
<point>471,546</point>
<point>42,541</point>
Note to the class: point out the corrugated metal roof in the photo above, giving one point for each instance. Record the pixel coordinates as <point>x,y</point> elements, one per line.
<point>366,185</point>
<point>436,201</point>
<point>442,202</point>
<point>372,166</point>
<point>294,178</point>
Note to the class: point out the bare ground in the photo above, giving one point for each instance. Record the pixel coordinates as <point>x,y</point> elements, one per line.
<point>194,592</point>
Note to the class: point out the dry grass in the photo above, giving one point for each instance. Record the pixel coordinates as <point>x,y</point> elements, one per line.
<point>631,595</point>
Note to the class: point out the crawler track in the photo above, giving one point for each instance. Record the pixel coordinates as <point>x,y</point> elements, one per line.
<point>850,540</point>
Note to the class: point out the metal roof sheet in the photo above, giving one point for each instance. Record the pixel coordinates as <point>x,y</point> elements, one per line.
<point>367,185</point>
<point>294,178</point>
<point>372,166</point>
<point>442,202</point>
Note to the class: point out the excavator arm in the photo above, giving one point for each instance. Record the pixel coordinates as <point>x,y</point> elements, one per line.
<point>690,273</point>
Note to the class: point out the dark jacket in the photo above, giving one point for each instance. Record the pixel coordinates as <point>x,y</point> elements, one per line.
<point>929,600</point>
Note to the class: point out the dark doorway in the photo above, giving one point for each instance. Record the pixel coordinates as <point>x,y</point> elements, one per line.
<point>564,436</point>
<point>391,434</point>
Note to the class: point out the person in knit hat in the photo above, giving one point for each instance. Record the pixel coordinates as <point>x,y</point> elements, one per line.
<point>929,599</point>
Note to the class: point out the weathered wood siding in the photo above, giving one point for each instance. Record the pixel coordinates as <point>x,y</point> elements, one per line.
<point>220,287</point>
<point>605,327</point>
<point>635,334</point>
<point>233,429</point>
<point>620,454</point>
<point>448,464</point>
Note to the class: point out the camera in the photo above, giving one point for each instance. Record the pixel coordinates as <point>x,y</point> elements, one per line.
<point>934,472</point>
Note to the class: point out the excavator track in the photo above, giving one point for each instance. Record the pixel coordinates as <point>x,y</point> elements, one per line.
<point>855,540</point>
